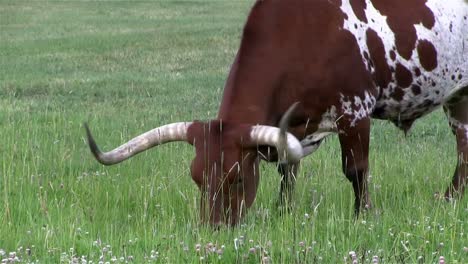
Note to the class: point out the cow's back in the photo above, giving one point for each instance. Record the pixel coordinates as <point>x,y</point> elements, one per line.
<point>417,52</point>
<point>394,59</point>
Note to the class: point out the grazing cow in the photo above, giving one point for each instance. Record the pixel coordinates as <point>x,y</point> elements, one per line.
<point>344,62</point>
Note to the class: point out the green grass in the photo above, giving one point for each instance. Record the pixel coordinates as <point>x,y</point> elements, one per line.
<point>129,66</point>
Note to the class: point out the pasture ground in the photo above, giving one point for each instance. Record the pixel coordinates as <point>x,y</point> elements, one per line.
<point>129,66</point>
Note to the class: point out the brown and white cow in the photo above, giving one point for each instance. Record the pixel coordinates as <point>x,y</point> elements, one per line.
<point>344,62</point>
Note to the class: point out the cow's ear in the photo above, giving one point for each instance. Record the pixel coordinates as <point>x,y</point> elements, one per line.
<point>199,131</point>
<point>242,134</point>
<point>195,132</point>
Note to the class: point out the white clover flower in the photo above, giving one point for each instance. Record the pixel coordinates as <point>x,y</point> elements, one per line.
<point>441,260</point>
<point>266,260</point>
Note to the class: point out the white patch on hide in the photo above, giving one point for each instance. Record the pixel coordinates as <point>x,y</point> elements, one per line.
<point>435,86</point>
<point>357,108</point>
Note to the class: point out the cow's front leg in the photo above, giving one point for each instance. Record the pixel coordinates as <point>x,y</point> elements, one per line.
<point>288,174</point>
<point>457,113</point>
<point>354,140</point>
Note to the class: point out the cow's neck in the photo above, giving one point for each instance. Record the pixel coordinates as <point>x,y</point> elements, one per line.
<point>247,97</point>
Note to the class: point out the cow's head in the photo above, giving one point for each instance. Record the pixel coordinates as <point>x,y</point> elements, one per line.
<point>225,167</point>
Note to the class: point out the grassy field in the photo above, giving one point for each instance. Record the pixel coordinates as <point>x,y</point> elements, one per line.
<point>129,66</point>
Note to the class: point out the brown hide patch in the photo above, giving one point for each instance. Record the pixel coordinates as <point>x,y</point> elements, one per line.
<point>402,15</point>
<point>417,71</point>
<point>359,7</point>
<point>392,55</point>
<point>416,89</point>
<point>398,94</point>
<point>336,2</point>
<point>427,55</point>
<point>345,16</point>
<point>403,76</point>
<point>382,75</point>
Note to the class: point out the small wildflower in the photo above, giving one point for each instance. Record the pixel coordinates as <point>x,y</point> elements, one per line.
<point>197,247</point>
<point>441,260</point>
<point>375,260</point>
<point>301,244</point>
<point>465,249</point>
<point>353,257</point>
<point>97,242</point>
<point>306,215</point>
<point>252,250</point>
<point>266,260</point>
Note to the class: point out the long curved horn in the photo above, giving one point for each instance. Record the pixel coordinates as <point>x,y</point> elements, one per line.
<point>154,137</point>
<point>288,146</point>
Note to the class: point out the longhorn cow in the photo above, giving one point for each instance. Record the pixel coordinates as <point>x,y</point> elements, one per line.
<point>344,62</point>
